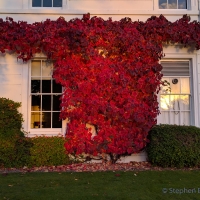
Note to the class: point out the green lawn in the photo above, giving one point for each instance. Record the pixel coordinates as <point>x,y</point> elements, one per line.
<point>101,185</point>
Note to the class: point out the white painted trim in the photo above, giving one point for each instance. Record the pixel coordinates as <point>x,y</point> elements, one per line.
<point>39,131</point>
<point>25,95</point>
<point>194,78</point>
<point>191,5</point>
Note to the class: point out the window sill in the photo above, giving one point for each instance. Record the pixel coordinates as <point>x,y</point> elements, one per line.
<point>47,132</point>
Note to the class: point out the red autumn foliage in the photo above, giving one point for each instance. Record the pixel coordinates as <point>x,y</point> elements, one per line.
<point>110,72</point>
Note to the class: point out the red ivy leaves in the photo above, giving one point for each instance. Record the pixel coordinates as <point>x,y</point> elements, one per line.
<point>109,70</point>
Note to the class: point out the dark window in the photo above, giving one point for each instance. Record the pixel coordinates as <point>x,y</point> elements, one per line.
<point>46,3</point>
<point>57,3</point>
<point>45,96</point>
<point>36,3</point>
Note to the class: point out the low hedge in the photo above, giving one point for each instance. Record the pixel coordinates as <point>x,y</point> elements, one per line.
<point>174,146</point>
<point>14,151</point>
<point>48,151</point>
<point>32,152</point>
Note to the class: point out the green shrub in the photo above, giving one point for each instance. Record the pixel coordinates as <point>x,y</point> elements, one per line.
<point>48,151</point>
<point>7,153</point>
<point>18,151</point>
<point>10,118</point>
<point>14,151</point>
<point>174,146</point>
<point>11,135</point>
<point>22,151</point>
<point>32,152</point>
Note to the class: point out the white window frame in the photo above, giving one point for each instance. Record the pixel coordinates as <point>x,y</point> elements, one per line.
<point>188,6</point>
<point>194,86</point>
<point>179,110</point>
<point>42,7</point>
<point>41,131</point>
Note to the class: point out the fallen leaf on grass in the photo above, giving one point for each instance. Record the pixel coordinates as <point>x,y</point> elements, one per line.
<point>117,174</point>
<point>90,167</point>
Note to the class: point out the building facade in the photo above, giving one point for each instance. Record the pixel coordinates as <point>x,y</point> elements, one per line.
<point>31,83</point>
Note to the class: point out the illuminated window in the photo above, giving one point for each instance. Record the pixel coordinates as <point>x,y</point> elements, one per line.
<point>45,96</point>
<point>173,4</point>
<point>46,3</point>
<point>175,96</point>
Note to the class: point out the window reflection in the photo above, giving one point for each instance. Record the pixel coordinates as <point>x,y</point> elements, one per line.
<point>182,4</point>
<point>172,4</point>
<point>165,102</point>
<point>175,100</point>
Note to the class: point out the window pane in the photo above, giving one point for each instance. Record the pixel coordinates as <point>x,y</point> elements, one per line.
<point>47,68</point>
<point>46,102</point>
<point>172,4</point>
<point>46,120</point>
<point>185,118</point>
<point>35,68</point>
<point>35,86</point>
<point>43,102</point>
<point>175,102</point>
<point>56,122</point>
<point>56,102</point>
<point>165,102</point>
<point>185,85</point>
<point>36,3</point>
<point>185,102</point>
<point>165,117</point>
<point>36,103</point>
<point>174,117</point>
<point>36,120</point>
<point>163,4</point>
<point>166,88</point>
<point>57,3</point>
<point>57,88</point>
<point>47,3</point>
<point>175,85</point>
<point>46,86</point>
<point>182,4</point>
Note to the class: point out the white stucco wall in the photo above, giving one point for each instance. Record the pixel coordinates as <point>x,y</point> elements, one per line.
<point>14,75</point>
<point>117,9</point>
<point>14,81</point>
